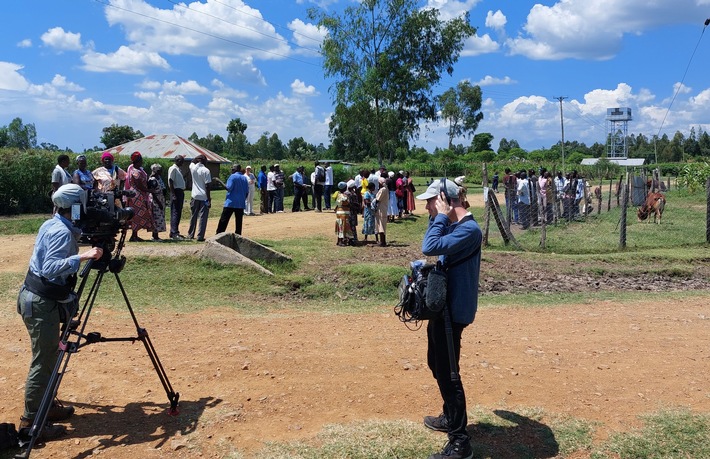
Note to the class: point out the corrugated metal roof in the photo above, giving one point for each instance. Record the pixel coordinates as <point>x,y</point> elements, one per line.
<point>628,162</point>
<point>166,146</point>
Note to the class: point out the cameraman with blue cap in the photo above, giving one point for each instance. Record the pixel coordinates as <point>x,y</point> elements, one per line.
<point>454,236</point>
<point>47,290</point>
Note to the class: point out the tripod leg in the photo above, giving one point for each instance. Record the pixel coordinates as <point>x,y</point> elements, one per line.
<point>173,397</point>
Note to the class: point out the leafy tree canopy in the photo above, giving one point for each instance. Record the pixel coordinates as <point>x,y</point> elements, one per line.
<point>386,56</point>
<point>116,135</point>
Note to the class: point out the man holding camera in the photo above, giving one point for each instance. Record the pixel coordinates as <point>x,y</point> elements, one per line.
<point>47,289</point>
<point>455,237</point>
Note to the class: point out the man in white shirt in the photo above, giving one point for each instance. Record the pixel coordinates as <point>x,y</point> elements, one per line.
<point>524,200</point>
<point>176,183</point>
<point>60,176</point>
<point>271,189</point>
<point>328,187</point>
<point>200,202</point>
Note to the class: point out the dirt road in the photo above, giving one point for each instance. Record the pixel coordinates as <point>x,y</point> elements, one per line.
<point>247,380</point>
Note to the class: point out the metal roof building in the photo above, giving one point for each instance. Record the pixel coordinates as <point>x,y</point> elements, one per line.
<point>166,146</point>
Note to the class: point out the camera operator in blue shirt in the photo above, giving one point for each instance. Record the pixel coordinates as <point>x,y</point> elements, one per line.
<point>454,236</point>
<point>48,288</point>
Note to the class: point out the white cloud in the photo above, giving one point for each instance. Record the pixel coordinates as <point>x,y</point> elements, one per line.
<point>300,88</point>
<point>491,81</point>
<point>61,40</point>
<point>26,43</point>
<point>124,60</point>
<point>60,81</point>
<point>231,30</point>
<point>680,88</point>
<point>186,87</point>
<point>449,9</point>
<point>477,45</point>
<point>593,29</point>
<point>10,78</point>
<point>308,36</point>
<point>242,69</point>
<point>496,20</point>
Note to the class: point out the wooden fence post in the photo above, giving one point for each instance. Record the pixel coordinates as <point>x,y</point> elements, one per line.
<point>622,217</point>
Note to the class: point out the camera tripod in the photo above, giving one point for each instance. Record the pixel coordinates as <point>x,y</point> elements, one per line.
<point>73,338</point>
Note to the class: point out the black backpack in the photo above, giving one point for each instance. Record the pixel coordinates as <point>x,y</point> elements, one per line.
<point>8,436</point>
<point>320,174</point>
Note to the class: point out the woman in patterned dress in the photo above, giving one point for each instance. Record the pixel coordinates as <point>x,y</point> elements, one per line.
<point>137,180</point>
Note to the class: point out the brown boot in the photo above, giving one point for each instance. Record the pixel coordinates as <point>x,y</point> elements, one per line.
<point>49,431</point>
<point>59,412</point>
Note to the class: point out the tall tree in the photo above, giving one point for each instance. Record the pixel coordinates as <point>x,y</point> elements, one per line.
<point>236,139</point>
<point>386,56</point>
<point>461,109</point>
<point>116,135</point>
<point>18,135</point>
<point>482,141</point>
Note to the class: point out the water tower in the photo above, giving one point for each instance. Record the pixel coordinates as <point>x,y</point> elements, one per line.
<point>617,122</point>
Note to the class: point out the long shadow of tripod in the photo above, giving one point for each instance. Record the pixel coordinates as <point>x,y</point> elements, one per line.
<point>75,328</point>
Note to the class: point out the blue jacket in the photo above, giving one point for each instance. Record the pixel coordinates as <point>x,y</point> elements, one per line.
<point>237,191</point>
<point>55,256</point>
<point>453,242</point>
<point>261,180</point>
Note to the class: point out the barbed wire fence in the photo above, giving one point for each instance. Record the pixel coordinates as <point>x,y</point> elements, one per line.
<point>562,214</point>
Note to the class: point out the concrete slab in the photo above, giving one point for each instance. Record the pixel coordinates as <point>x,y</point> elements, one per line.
<point>231,248</point>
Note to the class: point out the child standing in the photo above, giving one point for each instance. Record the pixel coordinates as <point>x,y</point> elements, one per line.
<point>342,215</point>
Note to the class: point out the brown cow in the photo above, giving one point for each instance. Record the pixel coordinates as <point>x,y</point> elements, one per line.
<point>655,203</point>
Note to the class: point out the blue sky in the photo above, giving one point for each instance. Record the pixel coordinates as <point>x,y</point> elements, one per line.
<point>72,67</point>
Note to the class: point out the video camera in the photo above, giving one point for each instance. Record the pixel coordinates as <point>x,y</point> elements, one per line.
<point>99,218</point>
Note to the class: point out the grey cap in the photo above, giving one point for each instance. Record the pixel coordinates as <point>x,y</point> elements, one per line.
<point>67,195</point>
<point>452,190</point>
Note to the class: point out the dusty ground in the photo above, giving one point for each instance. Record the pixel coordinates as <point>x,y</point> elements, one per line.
<point>248,380</point>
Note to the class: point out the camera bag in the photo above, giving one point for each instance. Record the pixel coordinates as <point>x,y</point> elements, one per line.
<point>8,436</point>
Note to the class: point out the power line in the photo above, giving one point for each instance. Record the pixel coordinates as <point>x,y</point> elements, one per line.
<point>264,20</point>
<point>277,38</point>
<point>205,33</point>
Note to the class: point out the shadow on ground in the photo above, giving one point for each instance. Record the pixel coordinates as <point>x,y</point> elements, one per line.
<point>109,426</point>
<point>526,439</point>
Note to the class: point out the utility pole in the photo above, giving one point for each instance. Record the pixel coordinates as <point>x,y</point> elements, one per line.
<point>562,124</point>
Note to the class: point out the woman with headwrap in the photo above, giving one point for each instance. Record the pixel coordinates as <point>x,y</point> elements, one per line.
<point>83,177</point>
<point>109,177</point>
<point>137,180</point>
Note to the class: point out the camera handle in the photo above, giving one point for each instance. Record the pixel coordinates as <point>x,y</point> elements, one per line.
<point>76,327</point>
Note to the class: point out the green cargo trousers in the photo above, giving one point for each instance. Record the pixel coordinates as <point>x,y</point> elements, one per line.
<point>41,317</point>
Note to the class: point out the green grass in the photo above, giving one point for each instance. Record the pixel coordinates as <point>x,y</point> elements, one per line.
<point>683,225</point>
<point>22,224</point>
<point>519,433</point>
<point>672,434</point>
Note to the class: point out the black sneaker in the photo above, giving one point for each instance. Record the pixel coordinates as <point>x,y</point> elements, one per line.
<point>438,423</point>
<point>457,449</point>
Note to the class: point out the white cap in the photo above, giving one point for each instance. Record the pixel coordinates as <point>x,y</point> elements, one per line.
<point>452,190</point>
<point>67,195</point>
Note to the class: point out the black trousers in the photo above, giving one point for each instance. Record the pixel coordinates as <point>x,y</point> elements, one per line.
<point>176,211</point>
<point>318,191</point>
<point>297,192</point>
<point>226,215</point>
<point>451,391</point>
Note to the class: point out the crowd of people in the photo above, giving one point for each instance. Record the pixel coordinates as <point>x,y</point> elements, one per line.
<point>376,196</point>
<point>534,198</point>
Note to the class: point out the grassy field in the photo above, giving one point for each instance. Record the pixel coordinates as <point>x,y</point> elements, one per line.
<point>669,249</point>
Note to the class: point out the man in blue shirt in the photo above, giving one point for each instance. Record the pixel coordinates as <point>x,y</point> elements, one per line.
<point>455,237</point>
<point>234,202</point>
<point>299,190</point>
<point>47,288</point>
